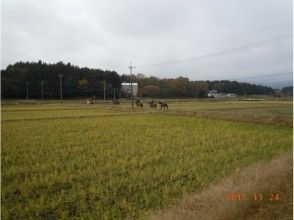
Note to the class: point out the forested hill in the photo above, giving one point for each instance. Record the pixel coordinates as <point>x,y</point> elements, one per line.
<point>80,82</point>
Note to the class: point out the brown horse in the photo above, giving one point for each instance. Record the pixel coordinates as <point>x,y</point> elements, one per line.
<point>163,104</point>
<point>152,104</point>
<point>115,102</point>
<point>139,103</point>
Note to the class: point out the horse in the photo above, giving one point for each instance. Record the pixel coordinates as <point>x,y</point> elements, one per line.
<point>89,101</point>
<point>163,104</point>
<point>152,104</point>
<point>82,101</point>
<point>139,103</point>
<point>115,102</point>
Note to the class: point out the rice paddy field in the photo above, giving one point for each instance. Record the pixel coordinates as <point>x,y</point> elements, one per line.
<point>72,161</point>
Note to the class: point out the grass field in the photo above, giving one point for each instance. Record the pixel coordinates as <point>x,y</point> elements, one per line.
<point>104,162</point>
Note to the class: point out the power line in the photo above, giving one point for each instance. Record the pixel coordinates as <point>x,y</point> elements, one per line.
<point>237,49</point>
<point>264,76</point>
<point>261,29</point>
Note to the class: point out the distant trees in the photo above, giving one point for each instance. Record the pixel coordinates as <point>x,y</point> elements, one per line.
<point>240,88</point>
<point>199,89</point>
<point>76,82</point>
<point>182,87</point>
<point>150,91</point>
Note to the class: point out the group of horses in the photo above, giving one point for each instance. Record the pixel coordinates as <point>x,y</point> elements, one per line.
<point>139,103</point>
<point>152,104</point>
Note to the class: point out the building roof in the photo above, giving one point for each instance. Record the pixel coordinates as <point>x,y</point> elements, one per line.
<point>129,84</point>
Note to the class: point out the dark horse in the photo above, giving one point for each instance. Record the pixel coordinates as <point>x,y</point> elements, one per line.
<point>152,104</point>
<point>139,103</point>
<point>163,104</point>
<point>115,102</point>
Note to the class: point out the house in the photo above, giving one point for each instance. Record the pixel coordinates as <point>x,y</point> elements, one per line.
<point>211,93</point>
<point>231,95</point>
<point>218,95</point>
<point>215,94</point>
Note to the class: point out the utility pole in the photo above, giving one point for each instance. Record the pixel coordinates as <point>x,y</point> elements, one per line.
<point>42,89</point>
<point>114,94</point>
<point>104,90</point>
<point>60,85</point>
<point>132,94</point>
<point>27,91</point>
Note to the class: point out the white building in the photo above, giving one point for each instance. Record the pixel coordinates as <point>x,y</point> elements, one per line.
<point>215,94</point>
<point>231,95</point>
<point>127,89</point>
<point>219,95</point>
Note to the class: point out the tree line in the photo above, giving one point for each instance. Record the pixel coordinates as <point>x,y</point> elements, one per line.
<point>76,82</point>
<point>182,87</point>
<point>84,82</point>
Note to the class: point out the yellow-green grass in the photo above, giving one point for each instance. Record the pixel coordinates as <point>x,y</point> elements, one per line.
<point>266,112</point>
<point>124,165</point>
<point>52,113</point>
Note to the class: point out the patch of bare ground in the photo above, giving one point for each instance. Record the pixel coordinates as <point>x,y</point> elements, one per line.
<point>219,202</point>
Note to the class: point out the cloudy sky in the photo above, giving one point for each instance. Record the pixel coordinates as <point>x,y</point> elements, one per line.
<point>207,39</point>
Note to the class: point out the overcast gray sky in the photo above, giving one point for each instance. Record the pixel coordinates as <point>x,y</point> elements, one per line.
<point>108,34</point>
